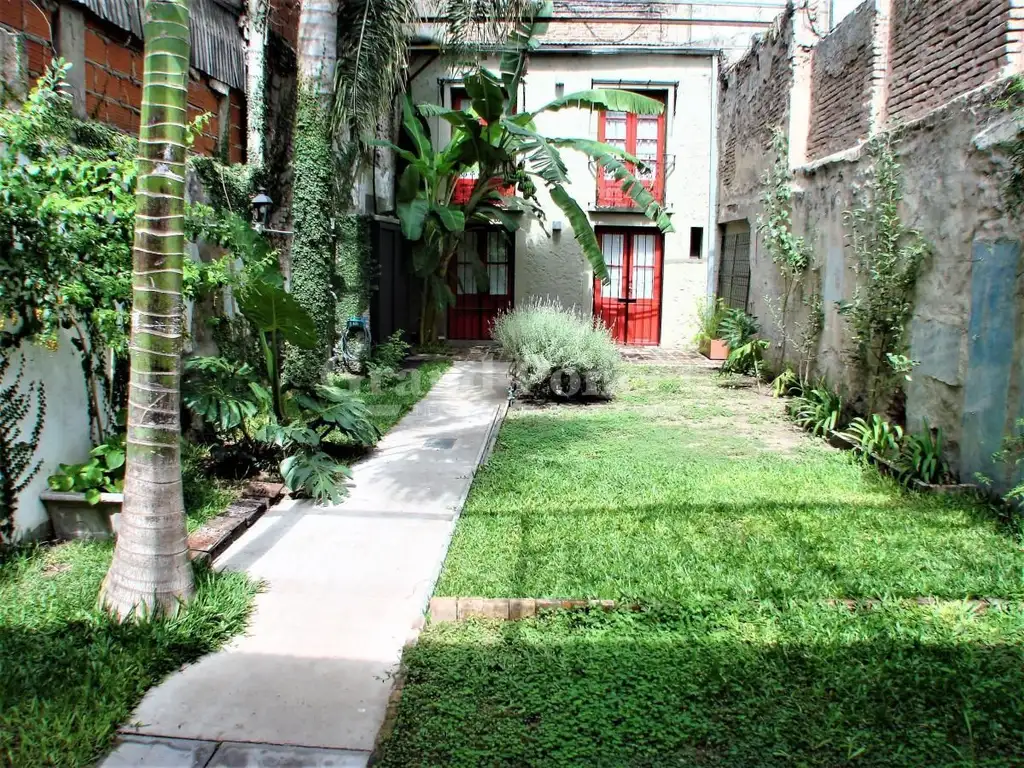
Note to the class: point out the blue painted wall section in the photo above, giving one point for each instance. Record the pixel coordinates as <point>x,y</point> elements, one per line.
<point>991,334</point>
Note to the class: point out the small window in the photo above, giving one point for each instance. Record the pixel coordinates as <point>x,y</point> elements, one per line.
<point>696,242</point>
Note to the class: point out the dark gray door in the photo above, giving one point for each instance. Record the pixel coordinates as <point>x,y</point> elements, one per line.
<point>734,273</point>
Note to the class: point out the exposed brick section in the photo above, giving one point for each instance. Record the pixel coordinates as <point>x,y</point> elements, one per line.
<point>35,23</point>
<point>941,49</point>
<point>754,98</point>
<point>841,77</point>
<point>113,77</point>
<point>284,20</point>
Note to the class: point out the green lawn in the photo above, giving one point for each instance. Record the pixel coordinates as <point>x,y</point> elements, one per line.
<point>388,404</point>
<point>68,675</point>
<point>703,504</point>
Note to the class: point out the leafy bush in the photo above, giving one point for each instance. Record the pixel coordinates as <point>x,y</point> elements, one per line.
<point>387,359</point>
<point>876,437</point>
<point>1012,455</point>
<point>709,318</point>
<point>102,473</point>
<point>817,410</point>
<point>739,331</point>
<point>557,351</point>
<point>786,384</point>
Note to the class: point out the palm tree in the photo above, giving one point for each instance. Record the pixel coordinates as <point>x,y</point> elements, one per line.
<point>150,572</point>
<point>312,252</point>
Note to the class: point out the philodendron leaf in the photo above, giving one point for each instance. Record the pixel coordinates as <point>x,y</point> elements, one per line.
<point>272,309</point>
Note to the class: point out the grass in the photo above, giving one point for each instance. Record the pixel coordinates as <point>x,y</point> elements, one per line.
<point>731,687</point>
<point>68,674</point>
<point>677,496</point>
<point>389,403</point>
<point>703,504</point>
<point>205,495</point>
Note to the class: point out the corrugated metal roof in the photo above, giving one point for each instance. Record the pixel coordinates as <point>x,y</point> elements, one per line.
<point>218,49</point>
<point>217,45</point>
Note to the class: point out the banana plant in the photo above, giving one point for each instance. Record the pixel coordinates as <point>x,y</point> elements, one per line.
<point>511,159</point>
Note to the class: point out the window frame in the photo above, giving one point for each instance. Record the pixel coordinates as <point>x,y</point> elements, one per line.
<point>609,191</point>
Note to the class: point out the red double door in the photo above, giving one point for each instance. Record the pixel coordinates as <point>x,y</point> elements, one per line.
<point>630,303</point>
<point>481,278</point>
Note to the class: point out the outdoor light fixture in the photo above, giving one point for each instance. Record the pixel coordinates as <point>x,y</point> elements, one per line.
<point>556,225</point>
<point>559,90</point>
<point>261,205</point>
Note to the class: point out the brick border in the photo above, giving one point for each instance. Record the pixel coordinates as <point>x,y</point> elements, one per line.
<point>450,610</point>
<point>215,535</point>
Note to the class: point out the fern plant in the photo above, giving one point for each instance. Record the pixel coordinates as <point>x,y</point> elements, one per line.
<point>817,410</point>
<point>18,466</point>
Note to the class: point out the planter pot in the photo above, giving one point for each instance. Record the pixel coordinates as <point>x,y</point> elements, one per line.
<point>75,518</point>
<point>716,349</point>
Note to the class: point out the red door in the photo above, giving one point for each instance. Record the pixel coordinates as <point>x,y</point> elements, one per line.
<point>630,304</point>
<point>481,279</point>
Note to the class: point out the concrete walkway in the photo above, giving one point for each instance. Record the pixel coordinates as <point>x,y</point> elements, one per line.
<point>346,588</point>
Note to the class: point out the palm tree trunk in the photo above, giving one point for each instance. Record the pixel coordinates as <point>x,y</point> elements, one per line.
<point>313,244</point>
<point>258,13</point>
<point>150,572</point>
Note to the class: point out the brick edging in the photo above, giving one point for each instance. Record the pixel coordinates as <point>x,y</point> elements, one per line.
<point>215,535</point>
<point>447,610</point>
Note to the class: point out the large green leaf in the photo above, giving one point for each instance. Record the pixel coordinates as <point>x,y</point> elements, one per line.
<point>490,215</point>
<point>414,129</point>
<point>543,156</point>
<point>412,214</point>
<point>451,217</point>
<point>409,184</point>
<point>612,99</point>
<point>487,95</point>
<point>582,231</point>
<point>271,309</point>
<point>608,158</point>
<point>403,153</point>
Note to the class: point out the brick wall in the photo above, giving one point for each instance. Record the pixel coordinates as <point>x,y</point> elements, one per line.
<point>841,78</point>
<point>943,48</point>
<point>113,76</point>
<point>36,26</point>
<point>754,100</point>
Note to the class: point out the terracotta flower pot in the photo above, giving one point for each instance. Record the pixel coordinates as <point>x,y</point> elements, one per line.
<point>716,349</point>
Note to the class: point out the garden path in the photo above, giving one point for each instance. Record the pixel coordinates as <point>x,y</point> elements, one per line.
<point>346,587</point>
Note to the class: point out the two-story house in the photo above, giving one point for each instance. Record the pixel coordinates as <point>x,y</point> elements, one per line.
<point>662,50</point>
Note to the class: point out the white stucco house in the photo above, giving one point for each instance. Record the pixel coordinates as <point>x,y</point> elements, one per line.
<point>668,51</point>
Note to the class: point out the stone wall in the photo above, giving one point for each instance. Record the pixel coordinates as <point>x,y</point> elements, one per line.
<point>841,79</point>
<point>967,331</point>
<point>943,48</point>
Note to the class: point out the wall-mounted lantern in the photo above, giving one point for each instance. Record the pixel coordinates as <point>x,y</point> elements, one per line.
<point>261,205</point>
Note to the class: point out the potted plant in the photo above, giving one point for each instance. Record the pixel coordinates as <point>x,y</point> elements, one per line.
<point>709,317</point>
<point>84,500</point>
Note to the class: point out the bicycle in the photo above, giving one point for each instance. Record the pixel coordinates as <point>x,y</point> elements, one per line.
<point>355,345</point>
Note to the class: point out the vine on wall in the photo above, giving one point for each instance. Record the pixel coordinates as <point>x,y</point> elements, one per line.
<point>354,267</point>
<point>17,446</point>
<point>790,252</point>
<point>888,260</point>
<point>312,252</point>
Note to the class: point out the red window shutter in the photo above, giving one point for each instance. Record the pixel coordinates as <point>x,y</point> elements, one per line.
<point>642,137</point>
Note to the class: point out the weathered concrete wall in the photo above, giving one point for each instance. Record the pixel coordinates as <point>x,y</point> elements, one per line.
<point>553,265</point>
<point>65,436</point>
<point>967,331</point>
<point>841,78</point>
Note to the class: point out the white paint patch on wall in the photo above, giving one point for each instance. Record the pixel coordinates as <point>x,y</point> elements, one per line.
<point>65,437</point>
<point>553,265</point>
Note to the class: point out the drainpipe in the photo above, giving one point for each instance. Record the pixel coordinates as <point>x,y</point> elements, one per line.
<point>712,230</point>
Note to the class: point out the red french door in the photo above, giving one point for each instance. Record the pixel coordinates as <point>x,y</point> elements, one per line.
<point>481,278</point>
<point>630,304</point>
